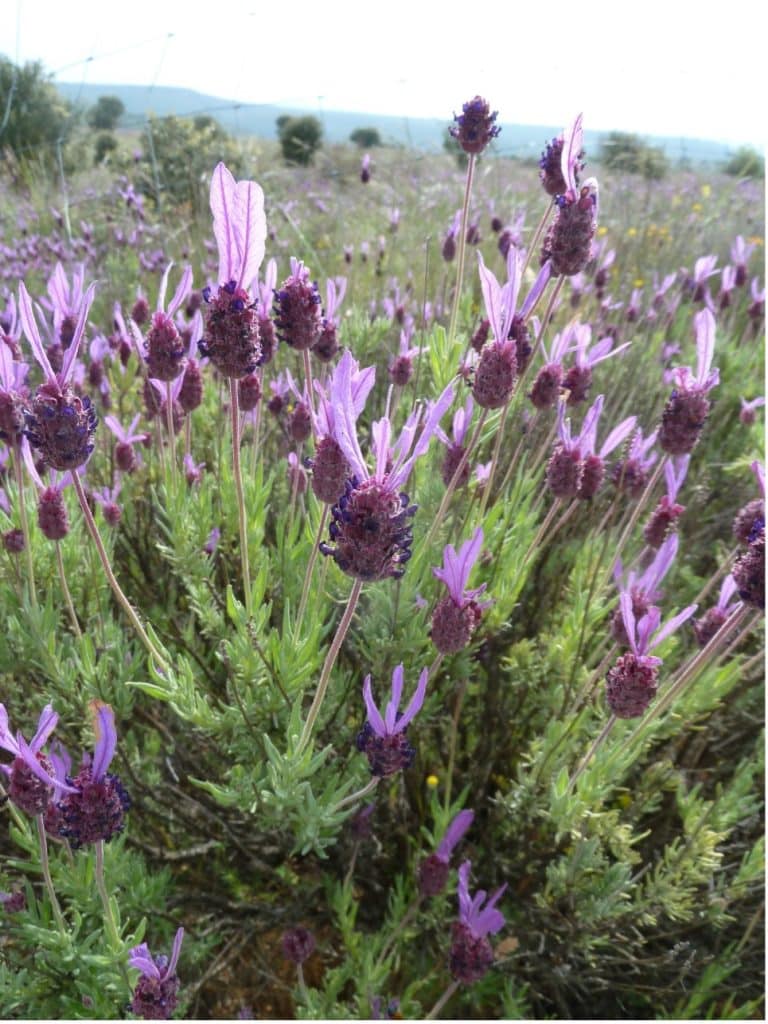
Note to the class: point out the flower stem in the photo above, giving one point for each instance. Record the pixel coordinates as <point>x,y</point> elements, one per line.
<point>462,250</point>
<point>24,524</point>
<point>494,461</point>
<point>592,751</point>
<point>67,594</point>
<point>171,433</point>
<point>45,867</point>
<point>330,661</point>
<point>637,510</point>
<point>399,928</point>
<point>310,570</point>
<point>354,797</point>
<point>442,1001</point>
<point>234,404</point>
<point>454,481</point>
<point>122,600</point>
<point>534,241</point>
<point>109,918</point>
<point>542,530</point>
<point>452,742</point>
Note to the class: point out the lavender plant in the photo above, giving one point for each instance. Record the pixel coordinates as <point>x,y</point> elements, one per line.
<point>304,855</point>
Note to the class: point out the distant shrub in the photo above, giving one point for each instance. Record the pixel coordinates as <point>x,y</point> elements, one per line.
<point>34,118</point>
<point>178,155</point>
<point>745,163</point>
<point>105,144</point>
<point>105,113</point>
<point>621,151</point>
<point>300,138</point>
<point>365,138</point>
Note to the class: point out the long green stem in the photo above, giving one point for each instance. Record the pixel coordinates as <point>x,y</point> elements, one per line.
<point>234,404</point>
<point>534,241</point>
<point>399,928</point>
<point>330,661</point>
<point>171,432</point>
<point>122,600</point>
<point>109,918</point>
<point>494,461</point>
<point>24,525</point>
<point>454,481</point>
<point>442,1001</point>
<point>452,742</point>
<point>462,250</point>
<point>358,795</point>
<point>310,570</point>
<point>602,736</point>
<point>45,867</point>
<point>66,591</point>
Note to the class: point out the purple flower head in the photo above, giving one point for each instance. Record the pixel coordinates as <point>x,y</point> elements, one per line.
<point>231,338</point>
<point>13,376</point>
<point>568,242</point>
<point>298,944</point>
<point>95,808</point>
<point>239,226</point>
<point>297,309</point>
<point>632,682</point>
<point>593,462</point>
<point>31,774</point>
<point>475,127</point>
<point>327,345</point>
<point>65,302</point>
<point>578,379</point>
<point>457,567</point>
<point>497,368</point>
<point>433,871</point>
<point>60,423</point>
<point>166,355</point>
<point>155,996</point>
<point>631,474</point>
<point>365,169</point>
<point>711,621</point>
<point>383,739</point>
<point>126,458</point>
<point>664,517</point>
<point>643,587</point>
<point>687,409</point>
<point>562,160</point>
<point>370,521</point>
<point>457,616</point>
<point>704,268</point>
<point>471,952</point>
<point>401,367</point>
<point>747,413</point>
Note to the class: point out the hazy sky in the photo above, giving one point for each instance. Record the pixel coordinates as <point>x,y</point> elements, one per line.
<point>664,67</point>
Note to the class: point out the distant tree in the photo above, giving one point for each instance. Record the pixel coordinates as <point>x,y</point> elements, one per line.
<point>621,151</point>
<point>745,163</point>
<point>300,138</point>
<point>365,138</point>
<point>105,144</point>
<point>179,155</point>
<point>34,118</point>
<point>105,113</point>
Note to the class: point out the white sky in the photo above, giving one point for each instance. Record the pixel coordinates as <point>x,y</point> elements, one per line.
<point>664,67</point>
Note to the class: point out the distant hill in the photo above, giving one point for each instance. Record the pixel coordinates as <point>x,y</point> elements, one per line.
<point>427,134</point>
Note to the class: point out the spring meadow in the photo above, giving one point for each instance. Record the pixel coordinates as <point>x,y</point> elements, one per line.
<point>381,583</point>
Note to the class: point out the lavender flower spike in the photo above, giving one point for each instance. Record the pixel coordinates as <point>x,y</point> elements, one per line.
<point>688,406</point>
<point>370,524</point>
<point>156,994</point>
<point>383,740</point>
<point>60,423</point>
<point>95,809</point>
<point>231,338</point>
<point>664,517</point>
<point>633,681</point>
<point>456,616</point>
<point>711,621</point>
<point>31,773</point>
<point>433,871</point>
<point>471,953</point>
